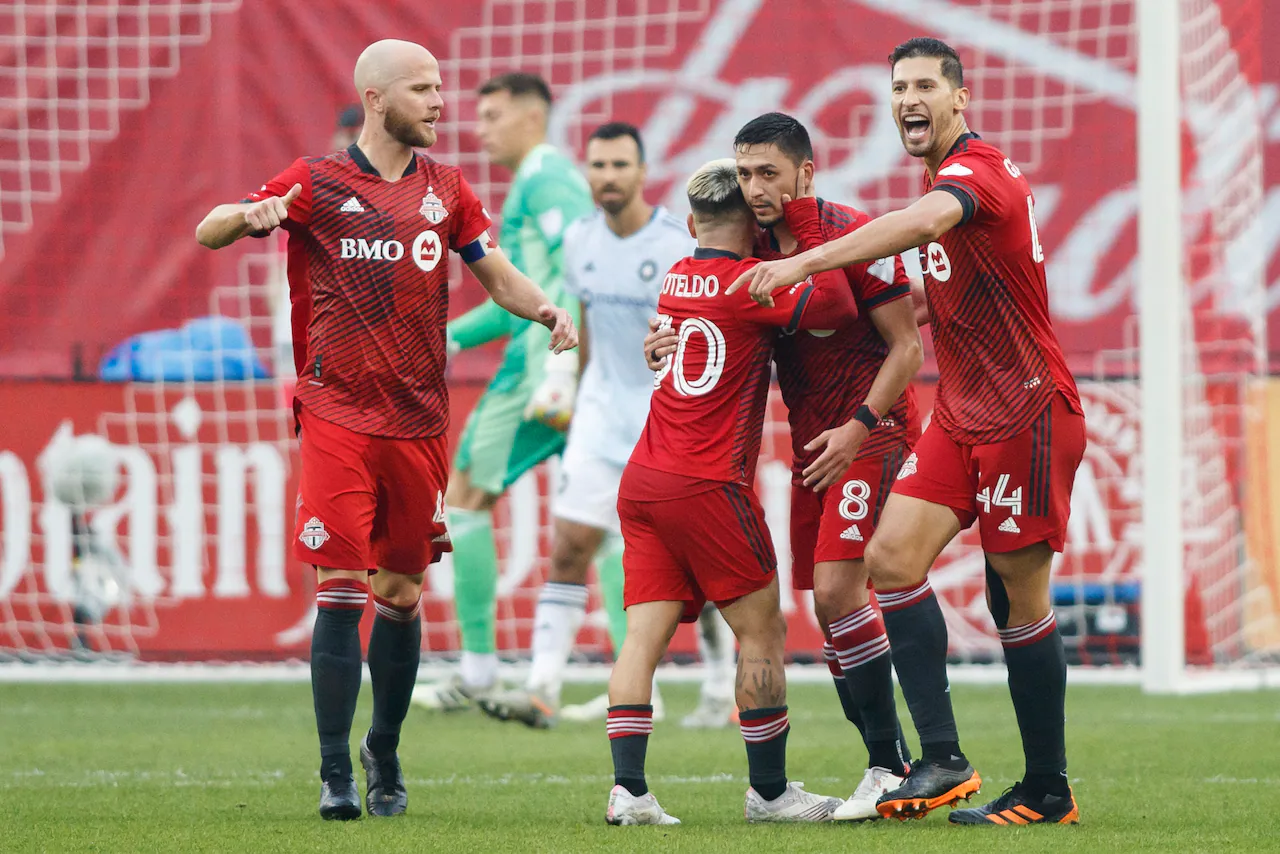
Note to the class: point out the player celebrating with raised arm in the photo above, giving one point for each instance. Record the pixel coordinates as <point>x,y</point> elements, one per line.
<point>693,526</point>
<point>521,418</point>
<point>613,263</point>
<point>1006,439</point>
<point>368,229</point>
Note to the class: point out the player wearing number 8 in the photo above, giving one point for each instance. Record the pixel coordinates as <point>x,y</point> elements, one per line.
<point>693,528</point>
<point>1005,441</point>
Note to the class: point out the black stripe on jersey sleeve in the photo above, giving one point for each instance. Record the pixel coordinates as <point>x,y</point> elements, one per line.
<point>888,296</point>
<point>968,201</point>
<point>794,323</point>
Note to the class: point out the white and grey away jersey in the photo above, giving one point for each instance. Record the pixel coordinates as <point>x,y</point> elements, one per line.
<point>618,280</point>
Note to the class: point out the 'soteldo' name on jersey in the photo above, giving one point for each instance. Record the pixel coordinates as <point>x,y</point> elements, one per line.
<point>426,250</point>
<point>681,285</point>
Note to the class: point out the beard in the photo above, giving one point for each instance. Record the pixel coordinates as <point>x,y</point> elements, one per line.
<point>613,207</point>
<point>406,131</point>
<point>768,221</point>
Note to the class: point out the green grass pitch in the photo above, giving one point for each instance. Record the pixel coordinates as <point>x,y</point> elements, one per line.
<point>178,768</point>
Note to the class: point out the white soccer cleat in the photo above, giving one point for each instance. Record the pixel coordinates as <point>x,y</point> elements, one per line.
<point>595,709</point>
<point>862,805</point>
<point>711,713</point>
<point>449,695</point>
<point>625,809</point>
<point>794,804</point>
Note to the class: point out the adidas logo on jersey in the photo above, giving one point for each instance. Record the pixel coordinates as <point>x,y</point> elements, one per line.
<point>351,205</point>
<point>1009,526</point>
<point>852,533</point>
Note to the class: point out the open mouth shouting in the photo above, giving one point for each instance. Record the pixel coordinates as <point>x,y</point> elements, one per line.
<point>915,127</point>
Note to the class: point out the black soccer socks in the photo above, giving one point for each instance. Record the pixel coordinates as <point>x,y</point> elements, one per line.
<point>629,728</point>
<point>918,633</point>
<point>335,669</point>
<point>1038,685</point>
<point>395,645</point>
<point>862,650</point>
<point>765,733</point>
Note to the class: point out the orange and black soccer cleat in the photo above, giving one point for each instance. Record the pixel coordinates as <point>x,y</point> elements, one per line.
<point>1016,806</point>
<point>927,787</point>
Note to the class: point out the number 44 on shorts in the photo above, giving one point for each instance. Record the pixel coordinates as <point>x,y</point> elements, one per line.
<point>1001,497</point>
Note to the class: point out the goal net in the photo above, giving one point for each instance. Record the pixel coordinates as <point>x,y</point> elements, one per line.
<point>1054,85</point>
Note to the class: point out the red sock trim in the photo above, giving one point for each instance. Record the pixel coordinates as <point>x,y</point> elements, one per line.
<point>342,593</point>
<point>629,720</point>
<point>833,663</point>
<point>397,614</point>
<point>761,725</point>
<point>859,637</point>
<point>1030,633</point>
<point>904,597</point>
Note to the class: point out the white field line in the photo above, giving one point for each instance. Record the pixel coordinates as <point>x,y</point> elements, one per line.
<point>800,674</point>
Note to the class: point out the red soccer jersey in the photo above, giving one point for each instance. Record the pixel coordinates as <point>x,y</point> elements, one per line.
<point>707,411</point>
<point>368,283</point>
<point>825,375</point>
<point>999,362</point>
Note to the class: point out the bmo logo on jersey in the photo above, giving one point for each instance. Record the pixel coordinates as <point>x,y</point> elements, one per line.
<point>426,250</point>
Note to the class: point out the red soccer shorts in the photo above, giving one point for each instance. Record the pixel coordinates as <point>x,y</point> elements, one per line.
<point>1019,490</point>
<point>709,546</point>
<point>838,523</point>
<point>366,502</point>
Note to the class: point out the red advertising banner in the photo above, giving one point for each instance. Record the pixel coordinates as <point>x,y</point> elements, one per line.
<point>97,239</point>
<point>201,524</point>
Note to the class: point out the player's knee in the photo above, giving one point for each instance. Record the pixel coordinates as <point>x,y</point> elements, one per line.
<point>838,593</point>
<point>762,632</point>
<point>891,563</point>
<point>461,494</point>
<point>570,559</point>
<point>401,591</point>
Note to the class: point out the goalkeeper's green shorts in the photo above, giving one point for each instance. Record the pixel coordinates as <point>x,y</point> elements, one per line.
<point>498,445</point>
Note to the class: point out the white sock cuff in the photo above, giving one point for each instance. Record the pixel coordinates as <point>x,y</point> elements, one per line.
<point>559,593</point>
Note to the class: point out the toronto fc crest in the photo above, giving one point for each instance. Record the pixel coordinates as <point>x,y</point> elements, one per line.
<point>432,208</point>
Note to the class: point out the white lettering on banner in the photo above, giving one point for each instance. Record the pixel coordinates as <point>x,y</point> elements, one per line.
<point>269,501</point>
<point>183,514</point>
<point>15,540</point>
<point>186,522</point>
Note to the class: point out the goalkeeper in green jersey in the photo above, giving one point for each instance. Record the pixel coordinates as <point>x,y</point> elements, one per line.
<point>521,418</point>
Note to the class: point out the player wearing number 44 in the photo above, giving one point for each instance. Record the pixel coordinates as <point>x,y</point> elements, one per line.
<point>1006,439</point>
<point>693,527</point>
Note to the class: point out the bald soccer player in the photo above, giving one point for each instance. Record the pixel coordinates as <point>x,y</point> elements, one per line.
<point>368,278</point>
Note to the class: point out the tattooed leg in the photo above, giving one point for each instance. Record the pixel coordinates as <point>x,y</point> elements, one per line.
<point>761,631</point>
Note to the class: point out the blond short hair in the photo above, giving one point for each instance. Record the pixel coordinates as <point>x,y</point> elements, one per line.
<point>713,190</point>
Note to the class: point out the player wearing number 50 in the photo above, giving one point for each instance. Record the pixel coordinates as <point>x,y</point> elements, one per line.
<point>1006,439</point>
<point>368,230</point>
<point>693,527</point>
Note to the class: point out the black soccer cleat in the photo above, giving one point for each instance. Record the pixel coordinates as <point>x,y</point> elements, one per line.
<point>339,799</point>
<point>1016,806</point>
<point>927,787</point>
<point>385,794</point>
